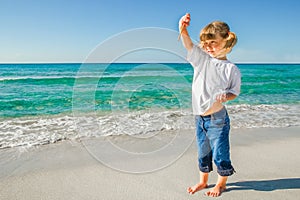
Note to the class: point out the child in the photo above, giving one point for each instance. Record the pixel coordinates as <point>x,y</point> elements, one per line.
<point>216,80</point>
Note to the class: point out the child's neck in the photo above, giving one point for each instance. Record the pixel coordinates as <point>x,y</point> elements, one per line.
<point>223,57</point>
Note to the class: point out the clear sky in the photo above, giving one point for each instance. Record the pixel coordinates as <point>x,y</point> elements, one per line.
<point>68,30</point>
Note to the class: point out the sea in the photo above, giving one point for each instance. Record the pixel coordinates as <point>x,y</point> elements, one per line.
<point>46,103</point>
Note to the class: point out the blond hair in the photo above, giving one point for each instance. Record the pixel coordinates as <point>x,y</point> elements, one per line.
<point>210,31</point>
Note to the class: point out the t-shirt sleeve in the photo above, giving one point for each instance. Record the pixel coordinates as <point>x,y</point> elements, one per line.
<point>235,86</point>
<point>196,56</point>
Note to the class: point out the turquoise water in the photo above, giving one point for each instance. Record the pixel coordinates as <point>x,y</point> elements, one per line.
<point>45,103</point>
<point>270,84</point>
<point>39,89</point>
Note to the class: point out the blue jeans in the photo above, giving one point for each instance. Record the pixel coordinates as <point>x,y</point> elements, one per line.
<point>212,134</point>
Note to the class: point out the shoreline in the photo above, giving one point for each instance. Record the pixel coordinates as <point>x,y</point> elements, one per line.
<point>266,161</point>
<point>40,130</point>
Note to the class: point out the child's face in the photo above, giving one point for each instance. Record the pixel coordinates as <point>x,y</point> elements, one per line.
<point>214,47</point>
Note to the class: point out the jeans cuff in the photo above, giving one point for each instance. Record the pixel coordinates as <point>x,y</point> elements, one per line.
<point>206,169</point>
<point>226,172</point>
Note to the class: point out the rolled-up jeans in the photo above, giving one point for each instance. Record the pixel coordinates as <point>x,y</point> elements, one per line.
<point>212,134</point>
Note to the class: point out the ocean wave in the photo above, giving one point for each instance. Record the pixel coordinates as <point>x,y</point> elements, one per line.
<point>25,78</point>
<point>32,131</point>
<point>22,78</point>
<point>264,116</point>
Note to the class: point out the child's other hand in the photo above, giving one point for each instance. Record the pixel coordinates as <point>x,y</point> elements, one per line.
<point>184,21</point>
<point>221,98</point>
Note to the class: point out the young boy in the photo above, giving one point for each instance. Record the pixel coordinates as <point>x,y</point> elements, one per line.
<point>216,80</point>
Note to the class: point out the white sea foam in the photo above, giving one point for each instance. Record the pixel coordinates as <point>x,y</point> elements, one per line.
<point>32,131</point>
<point>264,116</point>
<point>91,75</point>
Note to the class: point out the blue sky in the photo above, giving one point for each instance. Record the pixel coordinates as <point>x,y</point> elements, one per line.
<point>68,30</point>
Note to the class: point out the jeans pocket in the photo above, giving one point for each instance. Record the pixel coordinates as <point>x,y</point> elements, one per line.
<point>219,119</point>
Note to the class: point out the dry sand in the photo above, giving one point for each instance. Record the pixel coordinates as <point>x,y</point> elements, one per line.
<point>266,161</point>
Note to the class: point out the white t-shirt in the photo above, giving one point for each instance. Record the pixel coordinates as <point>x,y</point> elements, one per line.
<point>211,77</point>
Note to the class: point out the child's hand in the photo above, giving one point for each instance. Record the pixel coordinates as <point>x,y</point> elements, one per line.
<point>186,40</point>
<point>184,21</point>
<point>221,98</point>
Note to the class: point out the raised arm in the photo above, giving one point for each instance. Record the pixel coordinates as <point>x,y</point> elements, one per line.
<point>184,22</point>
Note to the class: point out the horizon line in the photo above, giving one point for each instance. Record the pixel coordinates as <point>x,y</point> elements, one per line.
<point>164,62</point>
<point>3,63</point>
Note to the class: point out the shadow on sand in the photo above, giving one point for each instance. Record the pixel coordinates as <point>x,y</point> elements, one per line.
<point>266,185</point>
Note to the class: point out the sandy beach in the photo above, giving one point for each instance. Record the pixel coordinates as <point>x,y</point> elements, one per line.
<point>266,161</point>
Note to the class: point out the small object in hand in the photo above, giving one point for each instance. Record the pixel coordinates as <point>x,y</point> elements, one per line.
<point>185,20</point>
<point>180,33</point>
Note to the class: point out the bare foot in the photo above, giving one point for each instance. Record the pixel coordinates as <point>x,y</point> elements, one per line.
<point>196,188</point>
<point>216,191</point>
